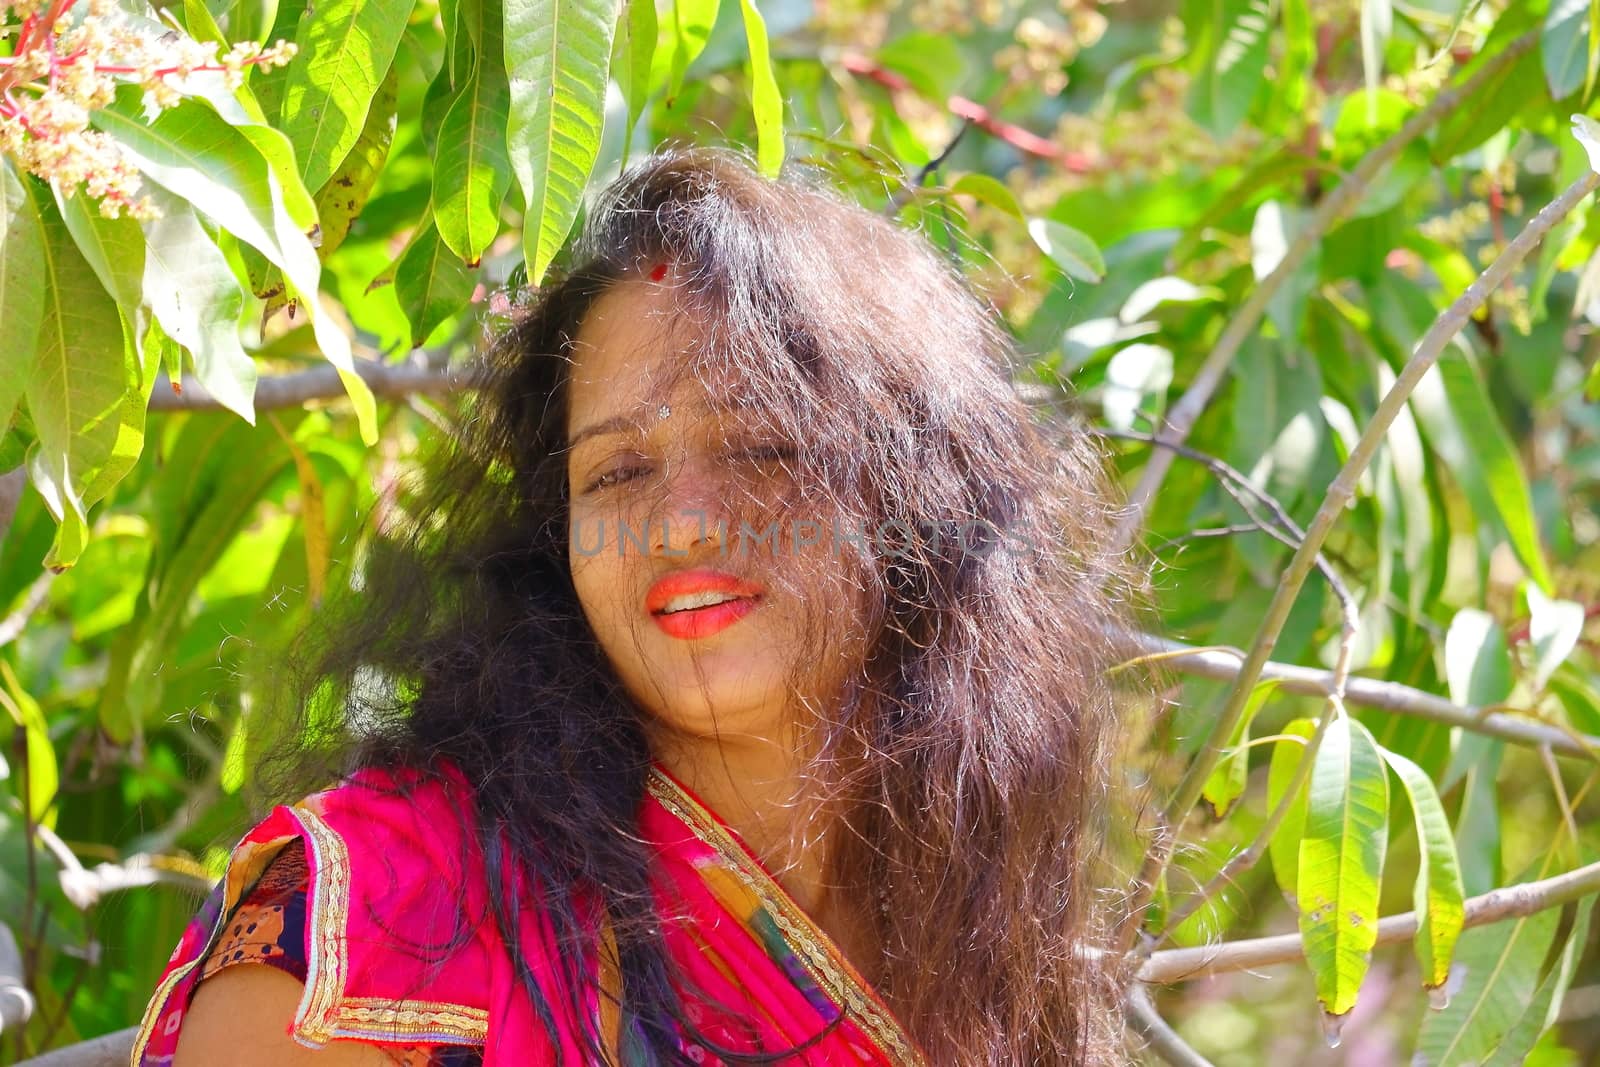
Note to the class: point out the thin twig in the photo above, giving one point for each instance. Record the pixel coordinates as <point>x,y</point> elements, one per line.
<point>1512,902</point>
<point>1181,417</point>
<point>1234,482</point>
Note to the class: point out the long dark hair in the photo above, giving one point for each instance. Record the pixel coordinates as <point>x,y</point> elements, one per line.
<point>969,760</point>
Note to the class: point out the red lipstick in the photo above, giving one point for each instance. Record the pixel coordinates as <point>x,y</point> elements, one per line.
<point>702,621</point>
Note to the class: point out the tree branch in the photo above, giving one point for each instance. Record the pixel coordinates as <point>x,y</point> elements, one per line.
<point>109,1050</point>
<point>1444,328</point>
<point>388,381</point>
<point>1224,664</point>
<point>1164,1040</point>
<point>1181,417</point>
<point>1512,902</point>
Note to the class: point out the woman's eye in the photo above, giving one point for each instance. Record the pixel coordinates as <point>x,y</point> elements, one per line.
<point>769,453</point>
<point>613,477</point>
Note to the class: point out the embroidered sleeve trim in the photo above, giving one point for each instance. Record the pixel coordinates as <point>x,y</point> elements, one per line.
<point>325,1011</point>
<point>244,867</point>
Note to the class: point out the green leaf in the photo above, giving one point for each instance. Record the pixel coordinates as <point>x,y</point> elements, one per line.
<point>1284,846</point>
<point>346,193</point>
<point>1496,460</point>
<point>268,85</point>
<point>1545,1007</point>
<point>1299,56</point>
<point>1579,698</point>
<point>691,29</point>
<point>198,302</point>
<point>1499,966</point>
<point>1438,895</point>
<point>1554,627</point>
<point>991,191</point>
<point>1564,47</point>
<point>233,174</point>
<point>472,171</point>
<point>1069,249</point>
<point>431,283</point>
<point>765,98</point>
<point>346,49</point>
<point>1477,664</point>
<point>1226,783</point>
<point>113,247</point>
<point>558,55</point>
<point>1341,861</point>
<point>195,519</point>
<point>1494,103</point>
<point>22,283</point>
<point>1231,40</point>
<point>85,394</point>
<point>633,55</point>
<point>44,775</point>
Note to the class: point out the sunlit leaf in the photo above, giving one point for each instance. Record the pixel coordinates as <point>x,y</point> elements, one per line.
<point>1477,664</point>
<point>765,99</point>
<point>346,48</point>
<point>85,395</point>
<point>190,151</point>
<point>1438,896</point>
<point>1341,861</point>
<point>1284,846</point>
<point>23,276</point>
<point>43,775</point>
<point>198,302</point>
<point>558,53</point>
<point>1232,41</point>
<point>1377,22</point>
<point>633,56</point>
<point>340,201</point>
<point>1554,627</point>
<point>1226,783</point>
<point>1499,975</point>
<point>1070,249</point>
<point>690,26</point>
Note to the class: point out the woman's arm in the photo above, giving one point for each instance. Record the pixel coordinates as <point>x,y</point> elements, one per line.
<point>240,1017</point>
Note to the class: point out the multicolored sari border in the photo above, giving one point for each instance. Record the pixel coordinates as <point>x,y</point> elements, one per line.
<point>826,965</point>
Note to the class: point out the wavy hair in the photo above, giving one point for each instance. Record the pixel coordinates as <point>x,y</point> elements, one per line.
<point>970,758</point>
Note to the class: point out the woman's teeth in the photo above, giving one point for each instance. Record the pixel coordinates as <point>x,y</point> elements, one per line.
<point>696,600</point>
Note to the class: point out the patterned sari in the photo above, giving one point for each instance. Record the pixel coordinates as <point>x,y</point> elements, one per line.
<point>394,940</point>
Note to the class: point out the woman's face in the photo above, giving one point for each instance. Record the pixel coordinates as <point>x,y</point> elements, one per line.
<point>652,536</point>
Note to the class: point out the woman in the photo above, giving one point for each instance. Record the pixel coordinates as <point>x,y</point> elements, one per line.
<point>732,694</point>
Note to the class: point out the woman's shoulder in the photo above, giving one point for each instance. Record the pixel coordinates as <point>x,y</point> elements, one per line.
<point>397,932</point>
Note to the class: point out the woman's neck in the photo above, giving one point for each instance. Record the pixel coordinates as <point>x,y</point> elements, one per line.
<point>753,785</point>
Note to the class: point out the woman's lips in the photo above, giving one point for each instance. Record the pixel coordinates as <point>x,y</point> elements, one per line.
<point>704,621</point>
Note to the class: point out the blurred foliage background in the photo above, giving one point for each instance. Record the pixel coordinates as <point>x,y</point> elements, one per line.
<point>1224,222</point>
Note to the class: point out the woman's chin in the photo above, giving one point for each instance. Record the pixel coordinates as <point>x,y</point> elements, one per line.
<point>720,711</point>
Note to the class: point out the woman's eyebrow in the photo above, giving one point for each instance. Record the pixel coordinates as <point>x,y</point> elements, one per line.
<point>615,424</point>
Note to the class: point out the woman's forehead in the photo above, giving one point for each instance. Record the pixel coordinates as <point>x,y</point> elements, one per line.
<point>639,352</point>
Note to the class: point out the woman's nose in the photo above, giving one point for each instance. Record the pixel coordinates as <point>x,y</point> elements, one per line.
<point>689,511</point>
